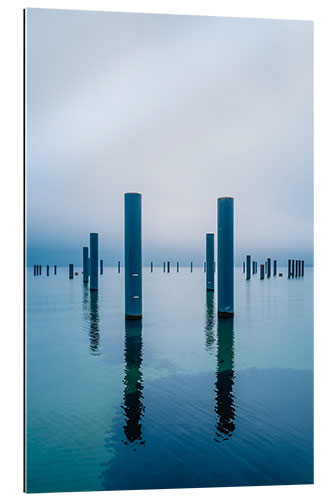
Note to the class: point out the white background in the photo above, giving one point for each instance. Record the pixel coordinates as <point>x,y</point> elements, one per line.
<point>11,234</point>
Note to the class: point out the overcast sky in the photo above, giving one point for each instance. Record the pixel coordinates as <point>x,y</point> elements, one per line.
<point>183,109</point>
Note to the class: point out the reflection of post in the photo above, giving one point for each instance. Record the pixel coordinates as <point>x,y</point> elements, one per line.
<point>210,320</point>
<point>225,400</point>
<point>94,324</point>
<point>132,405</point>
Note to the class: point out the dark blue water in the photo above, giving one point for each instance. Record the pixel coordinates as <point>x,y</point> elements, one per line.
<point>179,399</point>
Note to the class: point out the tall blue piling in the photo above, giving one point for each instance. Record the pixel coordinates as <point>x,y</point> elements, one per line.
<point>269,267</point>
<point>225,257</point>
<point>248,267</point>
<point>85,265</point>
<point>55,269</point>
<point>118,266</point>
<point>151,267</point>
<point>274,267</point>
<point>133,256</point>
<point>253,267</point>
<point>168,266</point>
<point>177,267</point>
<point>101,266</point>
<point>89,267</point>
<point>71,271</point>
<point>191,267</point>
<point>93,261</point>
<point>262,271</point>
<point>210,261</point>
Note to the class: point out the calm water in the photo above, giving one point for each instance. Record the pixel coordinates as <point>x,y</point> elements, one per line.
<point>176,400</point>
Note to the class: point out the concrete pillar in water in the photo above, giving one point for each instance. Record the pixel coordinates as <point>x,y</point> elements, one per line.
<point>151,267</point>
<point>101,266</point>
<point>177,267</point>
<point>262,271</point>
<point>47,270</point>
<point>55,269</point>
<point>85,265</point>
<point>164,267</point>
<point>191,267</point>
<point>210,261</point>
<point>71,271</point>
<point>274,267</point>
<point>248,267</point>
<point>269,267</point>
<point>133,256</point>
<point>89,267</point>
<point>93,261</point>
<point>302,267</point>
<point>225,257</point>
<point>118,266</point>
<point>168,266</point>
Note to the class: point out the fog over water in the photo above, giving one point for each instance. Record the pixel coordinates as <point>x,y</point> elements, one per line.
<point>183,109</point>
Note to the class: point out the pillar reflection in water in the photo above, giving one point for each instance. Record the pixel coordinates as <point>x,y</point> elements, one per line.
<point>225,400</point>
<point>133,383</point>
<point>94,323</point>
<point>210,320</point>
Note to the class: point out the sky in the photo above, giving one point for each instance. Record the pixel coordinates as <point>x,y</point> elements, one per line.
<point>183,109</point>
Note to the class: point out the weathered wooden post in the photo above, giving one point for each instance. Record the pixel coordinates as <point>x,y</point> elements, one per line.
<point>101,266</point>
<point>262,271</point>
<point>210,261</point>
<point>71,271</point>
<point>85,265</point>
<point>133,256</point>
<point>248,267</point>
<point>225,256</point>
<point>269,262</point>
<point>93,262</point>
<point>274,267</point>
